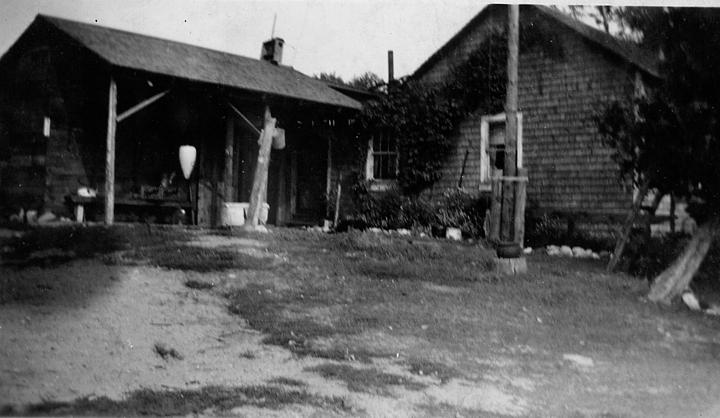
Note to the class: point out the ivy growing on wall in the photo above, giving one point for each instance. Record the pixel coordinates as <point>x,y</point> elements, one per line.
<point>423,118</point>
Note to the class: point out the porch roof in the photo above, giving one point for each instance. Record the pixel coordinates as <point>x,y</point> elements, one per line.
<point>141,52</point>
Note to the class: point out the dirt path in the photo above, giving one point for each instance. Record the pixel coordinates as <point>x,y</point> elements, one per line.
<point>90,329</point>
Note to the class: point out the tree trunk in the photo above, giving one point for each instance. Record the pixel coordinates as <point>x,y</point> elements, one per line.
<point>677,277</point>
<point>627,227</point>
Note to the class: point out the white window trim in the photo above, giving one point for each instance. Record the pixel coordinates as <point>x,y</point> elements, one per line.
<point>377,184</point>
<point>485,122</point>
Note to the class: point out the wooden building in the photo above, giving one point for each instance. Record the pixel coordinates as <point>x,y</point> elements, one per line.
<point>87,106</point>
<point>560,94</point>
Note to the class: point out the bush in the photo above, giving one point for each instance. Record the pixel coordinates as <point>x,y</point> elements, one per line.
<point>646,259</point>
<point>553,230</point>
<point>392,210</point>
<point>460,209</point>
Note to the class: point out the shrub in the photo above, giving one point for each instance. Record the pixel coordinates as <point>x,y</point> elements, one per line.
<point>392,210</point>
<point>460,209</point>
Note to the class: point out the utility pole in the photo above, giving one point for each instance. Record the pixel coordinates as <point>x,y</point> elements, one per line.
<point>510,260</point>
<point>511,107</point>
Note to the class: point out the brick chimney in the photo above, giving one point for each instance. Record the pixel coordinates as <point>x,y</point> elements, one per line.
<point>272,50</point>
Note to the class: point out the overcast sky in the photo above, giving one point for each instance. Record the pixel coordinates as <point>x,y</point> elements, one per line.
<point>347,37</point>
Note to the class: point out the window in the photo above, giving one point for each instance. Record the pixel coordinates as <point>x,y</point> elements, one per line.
<point>382,159</point>
<point>492,146</point>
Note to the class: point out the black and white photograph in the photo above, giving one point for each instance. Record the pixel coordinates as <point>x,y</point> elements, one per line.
<point>328,208</point>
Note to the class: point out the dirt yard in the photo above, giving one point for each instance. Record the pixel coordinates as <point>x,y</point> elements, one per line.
<point>146,320</point>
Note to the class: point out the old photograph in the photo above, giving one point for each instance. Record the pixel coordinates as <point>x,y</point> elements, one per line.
<point>321,208</point>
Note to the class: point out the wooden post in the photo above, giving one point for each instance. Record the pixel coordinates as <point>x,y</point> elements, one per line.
<point>336,219</point>
<point>520,207</point>
<point>229,158</point>
<point>511,99</point>
<point>110,154</point>
<point>627,226</point>
<point>261,171</point>
<point>495,205</point>
<point>672,213</point>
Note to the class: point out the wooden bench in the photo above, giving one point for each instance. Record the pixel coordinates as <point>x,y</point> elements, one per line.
<point>80,202</point>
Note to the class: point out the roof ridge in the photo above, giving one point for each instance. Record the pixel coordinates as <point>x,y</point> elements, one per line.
<point>575,25</point>
<point>77,22</point>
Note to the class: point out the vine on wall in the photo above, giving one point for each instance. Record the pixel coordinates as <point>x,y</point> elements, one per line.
<point>423,118</point>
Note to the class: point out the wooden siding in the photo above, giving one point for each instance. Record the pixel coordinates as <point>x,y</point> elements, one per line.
<point>570,169</point>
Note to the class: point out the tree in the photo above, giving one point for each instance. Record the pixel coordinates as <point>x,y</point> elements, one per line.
<point>331,77</point>
<point>367,80</point>
<point>671,138</point>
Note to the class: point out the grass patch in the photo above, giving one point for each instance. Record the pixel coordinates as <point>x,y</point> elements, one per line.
<point>124,245</point>
<point>198,285</point>
<point>184,402</point>
<point>365,380</point>
<point>287,382</point>
<point>430,368</point>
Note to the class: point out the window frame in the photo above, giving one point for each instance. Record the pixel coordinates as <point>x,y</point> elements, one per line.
<point>379,184</point>
<point>485,122</point>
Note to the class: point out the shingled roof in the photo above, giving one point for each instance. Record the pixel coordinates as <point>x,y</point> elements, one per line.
<point>140,52</point>
<point>627,51</point>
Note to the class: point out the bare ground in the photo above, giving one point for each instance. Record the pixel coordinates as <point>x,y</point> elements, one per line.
<point>296,324</point>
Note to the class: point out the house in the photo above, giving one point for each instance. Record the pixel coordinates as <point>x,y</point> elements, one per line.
<point>89,107</point>
<point>560,93</point>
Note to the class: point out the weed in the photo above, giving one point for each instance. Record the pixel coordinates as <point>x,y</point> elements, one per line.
<point>287,382</point>
<point>430,368</point>
<point>367,380</point>
<point>185,402</point>
<point>198,285</point>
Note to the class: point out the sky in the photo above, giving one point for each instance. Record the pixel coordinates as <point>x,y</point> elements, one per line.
<point>345,37</point>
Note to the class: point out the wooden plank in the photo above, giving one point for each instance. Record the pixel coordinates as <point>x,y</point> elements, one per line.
<point>140,106</point>
<point>110,154</point>
<point>520,199</point>
<point>228,193</point>
<point>245,119</point>
<point>261,171</point>
<point>495,206</point>
<point>328,175</point>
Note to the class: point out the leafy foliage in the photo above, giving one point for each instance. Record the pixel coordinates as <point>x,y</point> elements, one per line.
<point>423,118</point>
<point>331,77</point>
<point>671,137</point>
<point>367,80</point>
<point>393,210</point>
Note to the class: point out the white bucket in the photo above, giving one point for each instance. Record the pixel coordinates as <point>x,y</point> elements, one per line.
<point>234,213</point>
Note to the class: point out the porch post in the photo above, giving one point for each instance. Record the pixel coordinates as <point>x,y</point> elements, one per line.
<point>229,158</point>
<point>259,187</point>
<point>110,154</point>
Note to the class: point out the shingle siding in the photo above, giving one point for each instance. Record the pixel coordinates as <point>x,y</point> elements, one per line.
<point>559,96</point>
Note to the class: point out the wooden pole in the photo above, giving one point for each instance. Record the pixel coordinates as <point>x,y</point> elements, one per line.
<point>229,158</point>
<point>336,219</point>
<point>511,99</point>
<point>110,154</point>
<point>261,171</point>
<point>627,227</point>
<point>495,205</point>
<point>520,207</point>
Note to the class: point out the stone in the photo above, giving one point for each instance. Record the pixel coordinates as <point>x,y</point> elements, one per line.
<point>510,266</point>
<point>579,360</point>
<point>47,217</point>
<point>453,234</point>
<point>566,251</point>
